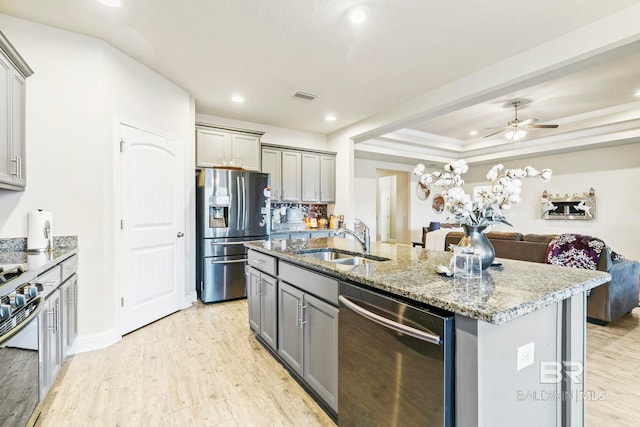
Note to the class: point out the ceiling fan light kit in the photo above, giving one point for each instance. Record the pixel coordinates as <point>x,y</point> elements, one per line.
<point>516,130</point>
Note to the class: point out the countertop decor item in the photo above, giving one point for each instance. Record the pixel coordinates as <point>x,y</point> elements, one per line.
<point>489,205</point>
<point>474,237</point>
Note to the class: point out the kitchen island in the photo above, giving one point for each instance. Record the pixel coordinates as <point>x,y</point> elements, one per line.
<point>513,329</point>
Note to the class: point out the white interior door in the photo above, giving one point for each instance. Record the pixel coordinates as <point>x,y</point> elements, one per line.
<point>153,218</point>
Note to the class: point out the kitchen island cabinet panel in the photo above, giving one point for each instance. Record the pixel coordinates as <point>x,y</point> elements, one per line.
<point>290,344</point>
<point>321,349</point>
<point>262,301</point>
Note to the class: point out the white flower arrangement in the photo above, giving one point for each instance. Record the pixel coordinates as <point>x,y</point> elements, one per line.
<point>491,205</point>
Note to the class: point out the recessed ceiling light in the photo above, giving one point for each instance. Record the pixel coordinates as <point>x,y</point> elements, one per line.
<point>110,3</point>
<point>237,99</point>
<point>473,133</point>
<point>330,118</point>
<point>358,16</point>
<point>637,93</point>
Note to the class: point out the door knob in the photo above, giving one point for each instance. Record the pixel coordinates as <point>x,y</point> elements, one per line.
<point>180,234</point>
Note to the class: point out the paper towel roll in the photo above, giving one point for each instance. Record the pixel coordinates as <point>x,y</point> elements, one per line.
<point>39,230</point>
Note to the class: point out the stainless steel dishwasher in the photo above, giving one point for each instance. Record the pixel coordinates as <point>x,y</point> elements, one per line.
<point>395,362</point>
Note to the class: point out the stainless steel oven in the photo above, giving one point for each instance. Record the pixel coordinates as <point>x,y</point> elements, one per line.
<point>395,362</point>
<point>19,354</point>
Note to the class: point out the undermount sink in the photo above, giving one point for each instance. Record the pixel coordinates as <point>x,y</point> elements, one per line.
<point>342,257</point>
<point>330,256</point>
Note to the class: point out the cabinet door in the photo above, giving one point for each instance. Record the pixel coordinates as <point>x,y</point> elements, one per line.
<point>310,177</point>
<point>18,129</point>
<point>291,176</point>
<point>246,149</point>
<point>290,326</point>
<point>321,348</point>
<point>5,120</point>
<point>272,164</point>
<point>253,297</point>
<point>212,147</point>
<point>327,178</point>
<point>52,340</point>
<point>268,309</point>
<point>69,314</point>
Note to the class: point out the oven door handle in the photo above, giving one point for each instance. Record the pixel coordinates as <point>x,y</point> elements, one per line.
<point>38,307</point>
<point>390,324</point>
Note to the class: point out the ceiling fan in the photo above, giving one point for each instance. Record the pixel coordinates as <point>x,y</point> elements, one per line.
<point>515,130</point>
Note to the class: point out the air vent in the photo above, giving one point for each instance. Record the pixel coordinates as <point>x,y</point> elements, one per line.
<point>304,95</point>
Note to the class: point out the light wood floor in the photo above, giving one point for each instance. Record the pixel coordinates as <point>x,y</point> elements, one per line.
<point>198,367</point>
<point>203,367</point>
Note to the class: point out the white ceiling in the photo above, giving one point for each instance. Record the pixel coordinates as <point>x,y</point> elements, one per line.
<point>268,49</point>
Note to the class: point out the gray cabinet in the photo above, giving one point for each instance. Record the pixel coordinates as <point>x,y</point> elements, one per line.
<point>310,177</point>
<point>327,179</point>
<point>13,73</point>
<point>262,295</point>
<point>320,367</point>
<point>272,164</point>
<point>219,147</point>
<point>69,290</point>
<point>58,320</point>
<point>290,344</point>
<point>291,176</point>
<point>50,342</point>
<point>300,176</point>
<point>308,329</point>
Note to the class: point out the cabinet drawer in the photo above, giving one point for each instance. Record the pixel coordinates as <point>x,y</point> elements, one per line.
<point>263,262</point>
<point>321,286</point>
<point>69,267</point>
<point>49,280</point>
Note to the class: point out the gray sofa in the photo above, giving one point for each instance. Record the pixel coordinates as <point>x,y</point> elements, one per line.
<point>605,303</point>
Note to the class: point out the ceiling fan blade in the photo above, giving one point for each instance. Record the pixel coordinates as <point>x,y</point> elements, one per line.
<point>528,122</point>
<point>495,133</point>
<point>543,126</point>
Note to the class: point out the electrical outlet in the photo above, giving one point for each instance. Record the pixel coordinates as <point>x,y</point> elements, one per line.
<point>525,356</point>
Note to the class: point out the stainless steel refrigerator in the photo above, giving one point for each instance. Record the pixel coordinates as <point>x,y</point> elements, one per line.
<point>232,207</point>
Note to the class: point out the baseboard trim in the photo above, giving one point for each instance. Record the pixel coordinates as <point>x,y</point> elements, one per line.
<point>96,341</point>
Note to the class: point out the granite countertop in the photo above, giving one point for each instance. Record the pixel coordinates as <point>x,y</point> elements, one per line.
<point>13,253</point>
<point>518,288</point>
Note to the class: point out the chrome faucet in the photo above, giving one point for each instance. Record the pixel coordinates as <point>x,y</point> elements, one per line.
<point>365,241</point>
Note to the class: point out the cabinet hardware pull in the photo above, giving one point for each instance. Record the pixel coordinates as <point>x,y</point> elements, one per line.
<point>302,321</point>
<point>16,162</point>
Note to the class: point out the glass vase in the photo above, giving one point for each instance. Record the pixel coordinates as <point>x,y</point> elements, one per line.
<point>476,239</point>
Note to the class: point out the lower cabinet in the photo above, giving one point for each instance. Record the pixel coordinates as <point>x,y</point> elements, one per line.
<point>50,342</point>
<point>308,340</point>
<point>69,308</point>
<point>262,300</point>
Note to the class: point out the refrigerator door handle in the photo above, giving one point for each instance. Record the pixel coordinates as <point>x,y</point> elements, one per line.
<point>244,205</point>
<point>239,204</point>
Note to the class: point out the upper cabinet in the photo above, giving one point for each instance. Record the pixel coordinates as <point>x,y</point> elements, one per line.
<point>220,147</point>
<point>327,179</point>
<point>13,73</point>
<point>298,175</point>
<point>310,177</point>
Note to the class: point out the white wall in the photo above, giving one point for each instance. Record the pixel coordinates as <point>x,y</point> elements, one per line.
<point>613,172</point>
<point>272,134</point>
<point>80,87</point>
